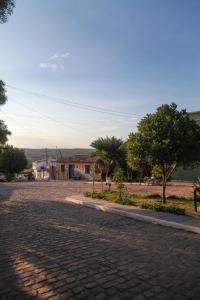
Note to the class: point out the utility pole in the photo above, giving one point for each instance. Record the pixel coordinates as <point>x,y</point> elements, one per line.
<point>56,153</point>
<point>46,156</point>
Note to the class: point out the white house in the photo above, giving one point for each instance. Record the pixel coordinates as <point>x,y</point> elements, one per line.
<point>44,169</point>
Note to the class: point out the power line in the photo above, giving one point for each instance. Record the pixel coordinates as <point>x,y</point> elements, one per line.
<point>47,117</point>
<point>77,104</point>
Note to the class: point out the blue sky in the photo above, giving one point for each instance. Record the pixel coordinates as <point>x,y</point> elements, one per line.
<point>124,55</point>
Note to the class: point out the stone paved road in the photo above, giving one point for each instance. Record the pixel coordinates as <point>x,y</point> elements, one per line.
<point>53,250</point>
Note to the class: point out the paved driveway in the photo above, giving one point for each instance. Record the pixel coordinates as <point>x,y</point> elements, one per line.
<point>52,250</point>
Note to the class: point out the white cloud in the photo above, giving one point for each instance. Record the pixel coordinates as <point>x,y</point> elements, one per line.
<point>57,63</point>
<point>59,56</point>
<point>52,67</point>
<point>55,56</point>
<point>65,54</point>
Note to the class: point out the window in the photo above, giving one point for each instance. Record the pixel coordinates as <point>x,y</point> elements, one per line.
<point>87,169</point>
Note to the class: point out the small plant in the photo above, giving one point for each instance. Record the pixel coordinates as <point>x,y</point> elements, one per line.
<point>197,183</point>
<point>159,207</point>
<point>95,195</point>
<point>125,201</point>
<point>119,181</point>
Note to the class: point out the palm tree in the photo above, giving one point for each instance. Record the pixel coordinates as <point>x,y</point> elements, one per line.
<point>109,152</point>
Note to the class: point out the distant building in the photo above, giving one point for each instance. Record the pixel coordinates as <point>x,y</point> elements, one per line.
<point>77,167</point>
<point>44,169</point>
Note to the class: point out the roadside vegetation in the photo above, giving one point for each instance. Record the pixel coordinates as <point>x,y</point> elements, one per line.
<point>175,205</point>
<point>12,160</point>
<point>165,140</point>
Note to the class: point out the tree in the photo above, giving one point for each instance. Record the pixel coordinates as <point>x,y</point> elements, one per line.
<point>101,165</point>
<point>110,151</point>
<point>3,97</point>
<point>165,139</point>
<point>12,161</point>
<point>4,132</point>
<point>119,181</point>
<point>136,156</point>
<point>6,9</point>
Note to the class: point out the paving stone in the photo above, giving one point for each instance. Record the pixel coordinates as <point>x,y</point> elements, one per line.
<point>51,250</point>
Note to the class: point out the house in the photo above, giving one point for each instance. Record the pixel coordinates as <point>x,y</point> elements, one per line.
<point>77,167</point>
<point>44,169</point>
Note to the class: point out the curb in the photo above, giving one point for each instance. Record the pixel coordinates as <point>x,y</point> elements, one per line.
<point>135,216</point>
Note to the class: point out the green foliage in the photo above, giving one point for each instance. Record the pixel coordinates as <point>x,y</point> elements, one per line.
<point>4,132</point>
<point>124,201</point>
<point>118,179</point>
<point>12,160</point>
<point>109,152</point>
<point>95,195</point>
<point>136,156</point>
<point>6,9</point>
<point>165,139</point>
<point>139,201</point>
<point>3,97</point>
<point>159,207</point>
<point>197,183</point>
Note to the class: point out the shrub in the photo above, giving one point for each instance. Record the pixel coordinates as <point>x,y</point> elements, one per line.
<point>153,196</point>
<point>159,207</point>
<point>125,201</point>
<point>95,195</point>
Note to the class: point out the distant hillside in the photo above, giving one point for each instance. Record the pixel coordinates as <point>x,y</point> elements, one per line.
<point>35,154</point>
<point>196,116</point>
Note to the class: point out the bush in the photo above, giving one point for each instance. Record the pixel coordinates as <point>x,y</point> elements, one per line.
<point>125,201</point>
<point>158,207</point>
<point>153,196</point>
<point>95,195</point>
<point>149,204</point>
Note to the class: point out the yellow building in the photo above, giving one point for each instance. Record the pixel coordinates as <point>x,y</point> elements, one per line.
<point>80,167</point>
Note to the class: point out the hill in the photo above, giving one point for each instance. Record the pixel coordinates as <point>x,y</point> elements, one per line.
<point>35,154</point>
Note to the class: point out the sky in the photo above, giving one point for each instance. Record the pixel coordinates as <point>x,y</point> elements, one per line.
<point>80,69</point>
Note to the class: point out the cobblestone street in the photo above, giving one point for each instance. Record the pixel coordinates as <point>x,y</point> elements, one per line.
<point>53,250</point>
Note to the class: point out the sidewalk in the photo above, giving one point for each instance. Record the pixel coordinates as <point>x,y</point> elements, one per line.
<point>186,223</point>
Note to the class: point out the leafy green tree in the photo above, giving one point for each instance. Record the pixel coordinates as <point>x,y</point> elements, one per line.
<point>12,161</point>
<point>110,151</point>
<point>137,158</point>
<point>6,9</point>
<point>118,179</point>
<point>4,132</point>
<point>3,97</point>
<point>165,139</point>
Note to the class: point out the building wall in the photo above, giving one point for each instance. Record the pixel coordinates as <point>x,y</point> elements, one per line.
<point>79,169</point>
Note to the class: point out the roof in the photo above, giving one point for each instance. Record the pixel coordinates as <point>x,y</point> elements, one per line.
<point>78,159</point>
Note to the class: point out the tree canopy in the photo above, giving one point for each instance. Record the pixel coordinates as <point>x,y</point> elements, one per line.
<point>6,9</point>
<point>109,151</point>
<point>4,132</point>
<point>12,160</point>
<point>3,97</point>
<point>165,139</point>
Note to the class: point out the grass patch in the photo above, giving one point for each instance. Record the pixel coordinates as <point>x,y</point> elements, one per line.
<point>174,205</point>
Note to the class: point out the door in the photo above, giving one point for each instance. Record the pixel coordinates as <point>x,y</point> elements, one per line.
<point>71,171</point>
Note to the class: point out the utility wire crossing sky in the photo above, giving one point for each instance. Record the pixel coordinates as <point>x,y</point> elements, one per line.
<point>77,70</point>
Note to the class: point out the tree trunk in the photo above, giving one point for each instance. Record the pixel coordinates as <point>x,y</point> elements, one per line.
<point>102,181</point>
<point>164,190</point>
<point>93,186</point>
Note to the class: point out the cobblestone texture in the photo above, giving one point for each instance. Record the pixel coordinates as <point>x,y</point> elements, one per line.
<point>52,250</point>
